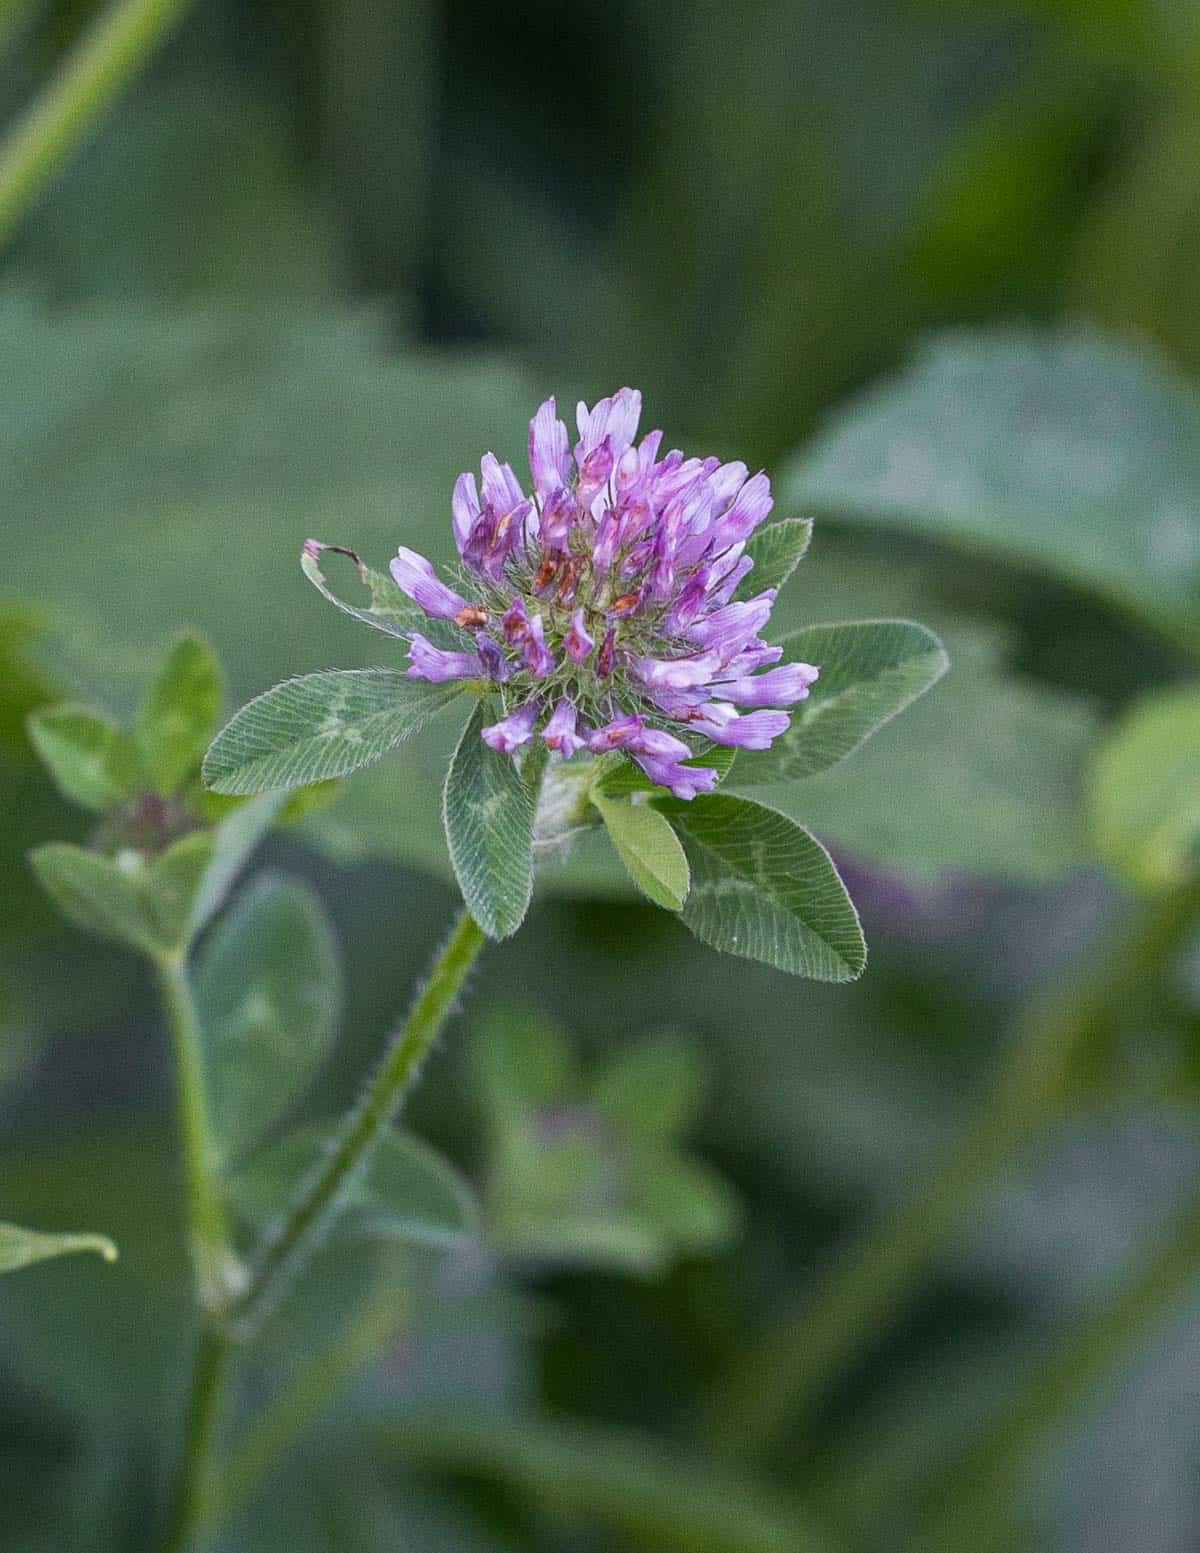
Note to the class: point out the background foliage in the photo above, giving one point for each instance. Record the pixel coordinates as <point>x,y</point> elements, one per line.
<point>936,267</point>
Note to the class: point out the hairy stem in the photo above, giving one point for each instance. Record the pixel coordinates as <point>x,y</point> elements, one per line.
<point>1060,1386</point>
<point>785,1376</point>
<point>108,54</point>
<point>323,1190</point>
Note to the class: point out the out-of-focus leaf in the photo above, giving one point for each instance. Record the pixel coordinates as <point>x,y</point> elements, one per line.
<point>653,1088</point>
<point>24,683</point>
<point>129,1184</point>
<point>22,1247</point>
<point>633,1484</point>
<point>178,714</point>
<point>695,1208</point>
<point>762,887</point>
<point>189,189</point>
<point>649,848</point>
<point>776,550</point>
<point>409,1192</point>
<point>1066,452</point>
<point>590,1173</point>
<point>234,838</point>
<point>488,812</point>
<point>983,776</point>
<point>521,1060</point>
<point>1144,791</point>
<point>93,762</point>
<point>268,990</point>
<point>145,905</point>
<point>871,670</point>
<point>320,726</point>
<point>1139,250</point>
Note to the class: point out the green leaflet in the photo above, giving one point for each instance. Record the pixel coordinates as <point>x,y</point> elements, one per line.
<point>148,906</point>
<point>92,761</point>
<point>656,1088</point>
<point>870,671</point>
<point>22,1247</point>
<point>320,726</point>
<point>268,993</point>
<point>1144,791</point>
<point>179,714</point>
<point>488,813</point>
<point>776,549</point>
<point>649,848</point>
<point>764,888</point>
<point>1064,451</point>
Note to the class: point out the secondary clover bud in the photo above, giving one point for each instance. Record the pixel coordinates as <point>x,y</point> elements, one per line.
<point>609,596</point>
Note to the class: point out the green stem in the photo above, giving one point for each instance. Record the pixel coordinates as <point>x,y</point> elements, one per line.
<point>786,1374</point>
<point>366,1124</point>
<point>216,1269</point>
<point>107,55</point>
<point>213,1260</point>
<point>194,1489</point>
<point>984,1486</point>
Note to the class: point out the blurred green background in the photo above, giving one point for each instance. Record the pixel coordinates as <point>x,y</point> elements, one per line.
<point>316,259</point>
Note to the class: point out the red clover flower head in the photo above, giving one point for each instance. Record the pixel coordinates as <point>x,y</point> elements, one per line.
<point>602,606</point>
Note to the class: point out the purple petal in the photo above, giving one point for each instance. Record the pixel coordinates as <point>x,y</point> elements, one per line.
<point>464,508</point>
<point>577,642</point>
<point>560,732</point>
<point>501,488</point>
<point>727,630</point>
<point>755,731</point>
<point>614,735</point>
<point>534,653</point>
<point>433,663</point>
<point>616,418</point>
<point>683,781</point>
<point>777,687</point>
<point>675,673</point>
<point>493,658</point>
<point>416,577</point>
<point>514,730</point>
<point>658,745</point>
<point>549,461</point>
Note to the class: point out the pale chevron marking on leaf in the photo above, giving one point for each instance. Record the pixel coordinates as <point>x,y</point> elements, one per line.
<point>763,887</point>
<point>320,726</point>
